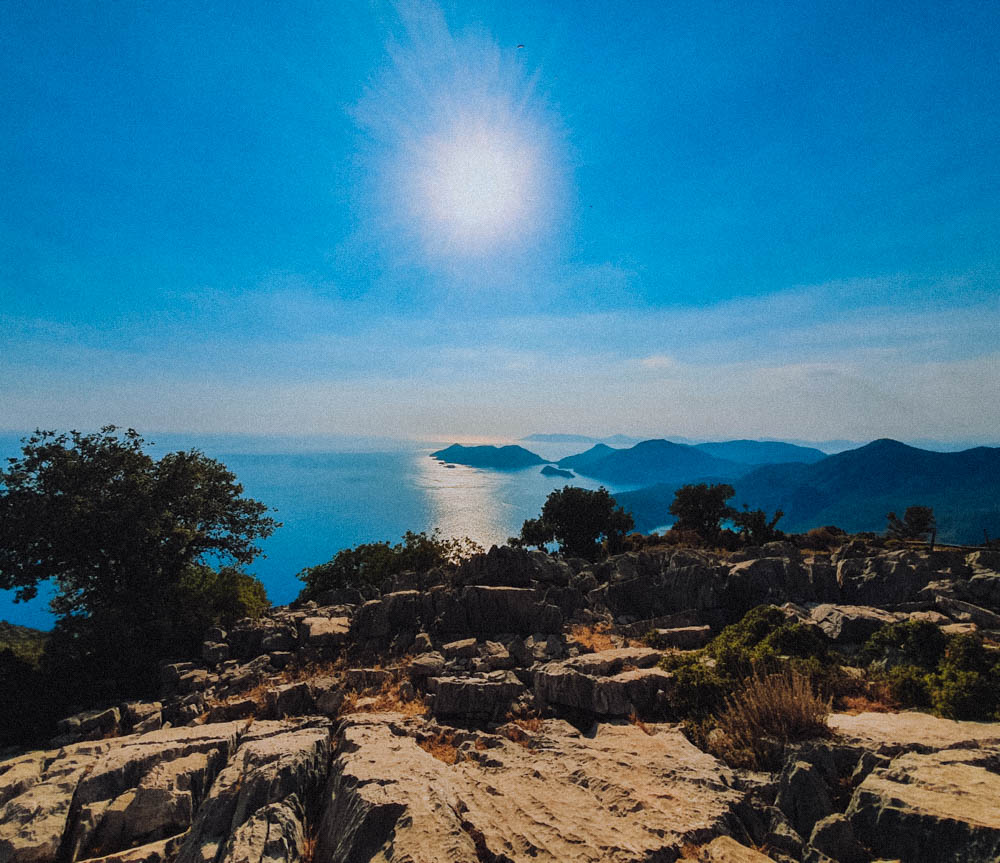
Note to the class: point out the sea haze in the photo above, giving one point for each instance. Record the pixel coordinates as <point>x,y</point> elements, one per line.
<point>327,501</point>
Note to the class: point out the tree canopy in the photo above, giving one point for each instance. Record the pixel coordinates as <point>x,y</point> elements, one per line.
<point>702,508</point>
<point>578,519</point>
<point>128,541</point>
<point>917,523</point>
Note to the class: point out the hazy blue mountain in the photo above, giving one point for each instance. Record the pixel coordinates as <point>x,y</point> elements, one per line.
<point>855,489</point>
<point>582,461</point>
<point>498,457</point>
<point>651,461</point>
<point>618,440</point>
<point>559,438</point>
<point>757,452</point>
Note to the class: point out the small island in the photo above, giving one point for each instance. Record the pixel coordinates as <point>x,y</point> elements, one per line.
<point>496,457</point>
<point>551,470</point>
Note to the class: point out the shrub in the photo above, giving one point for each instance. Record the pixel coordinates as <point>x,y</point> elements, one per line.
<point>781,707</point>
<point>371,565</point>
<point>908,686</point>
<point>909,642</point>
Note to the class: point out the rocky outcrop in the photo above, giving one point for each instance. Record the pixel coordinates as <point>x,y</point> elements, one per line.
<point>938,807</point>
<point>609,683</point>
<point>173,794</point>
<point>558,795</point>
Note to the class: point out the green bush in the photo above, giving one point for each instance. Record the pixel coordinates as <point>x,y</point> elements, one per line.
<point>910,642</point>
<point>908,686</point>
<point>371,565</point>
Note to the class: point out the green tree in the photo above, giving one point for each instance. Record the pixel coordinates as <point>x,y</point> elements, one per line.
<point>917,523</point>
<point>125,539</point>
<point>755,526</point>
<point>702,508</point>
<point>578,519</point>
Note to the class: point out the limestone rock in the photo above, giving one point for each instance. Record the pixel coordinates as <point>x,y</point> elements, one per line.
<point>619,795</point>
<point>725,849</point>
<point>323,632</point>
<point>892,733</point>
<point>926,807</point>
<point>803,796</point>
<point>834,837</point>
<point>850,624</point>
<point>483,699</point>
<point>609,683</point>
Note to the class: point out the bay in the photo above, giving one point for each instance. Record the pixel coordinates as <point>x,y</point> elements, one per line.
<point>327,501</point>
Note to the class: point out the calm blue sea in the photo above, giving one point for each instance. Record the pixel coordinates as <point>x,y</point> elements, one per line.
<point>332,500</point>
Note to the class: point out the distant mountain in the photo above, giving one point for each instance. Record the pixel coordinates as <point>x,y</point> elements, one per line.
<point>618,440</point>
<point>497,457</point>
<point>583,461</point>
<point>855,489</point>
<point>649,462</point>
<point>559,438</point>
<point>762,452</point>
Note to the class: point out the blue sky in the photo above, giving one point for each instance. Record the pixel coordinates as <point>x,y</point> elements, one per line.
<point>722,219</point>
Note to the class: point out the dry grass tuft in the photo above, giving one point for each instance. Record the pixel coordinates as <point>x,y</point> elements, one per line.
<point>386,699</point>
<point>770,709</point>
<point>594,637</point>
<point>441,746</point>
<point>638,723</point>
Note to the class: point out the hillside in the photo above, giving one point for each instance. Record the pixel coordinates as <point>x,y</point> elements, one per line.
<point>496,457</point>
<point>855,490</point>
<point>759,452</point>
<point>649,462</point>
<point>26,643</point>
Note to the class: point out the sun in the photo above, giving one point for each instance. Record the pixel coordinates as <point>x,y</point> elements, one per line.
<point>475,184</point>
<point>466,162</point>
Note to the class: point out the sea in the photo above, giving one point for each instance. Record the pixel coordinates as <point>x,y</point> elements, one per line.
<point>330,500</point>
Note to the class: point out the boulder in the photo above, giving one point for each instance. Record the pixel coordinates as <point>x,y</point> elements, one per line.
<point>925,807</point>
<point>966,612</point>
<point>482,699</point>
<point>485,611</point>
<point>610,683</point>
<point>321,633</point>
<point>463,649</point>
<point>426,665</point>
<point>850,624</point>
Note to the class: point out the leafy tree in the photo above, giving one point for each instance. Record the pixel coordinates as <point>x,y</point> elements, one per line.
<point>755,527</point>
<point>702,508</point>
<point>535,533</point>
<point>126,540</point>
<point>578,519</point>
<point>917,523</point>
<point>371,565</point>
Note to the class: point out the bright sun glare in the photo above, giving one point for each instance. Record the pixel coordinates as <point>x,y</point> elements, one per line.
<point>474,184</point>
<point>467,162</point>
